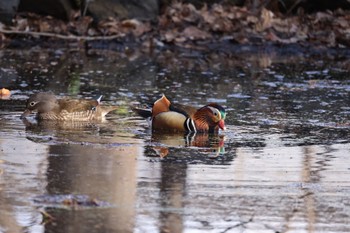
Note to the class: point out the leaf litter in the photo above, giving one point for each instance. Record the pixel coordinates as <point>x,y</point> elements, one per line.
<point>182,24</point>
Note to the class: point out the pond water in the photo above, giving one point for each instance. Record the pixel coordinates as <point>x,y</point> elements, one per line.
<point>282,165</point>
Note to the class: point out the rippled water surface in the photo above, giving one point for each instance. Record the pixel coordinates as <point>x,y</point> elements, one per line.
<point>282,165</point>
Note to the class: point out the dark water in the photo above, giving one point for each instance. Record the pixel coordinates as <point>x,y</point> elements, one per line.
<point>281,165</point>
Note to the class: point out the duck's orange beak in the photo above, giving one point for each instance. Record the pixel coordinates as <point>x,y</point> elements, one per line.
<point>222,124</point>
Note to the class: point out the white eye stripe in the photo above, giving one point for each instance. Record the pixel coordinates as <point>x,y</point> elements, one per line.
<point>215,111</point>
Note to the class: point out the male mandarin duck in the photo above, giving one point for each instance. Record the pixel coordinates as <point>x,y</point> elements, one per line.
<point>181,118</point>
<point>48,107</point>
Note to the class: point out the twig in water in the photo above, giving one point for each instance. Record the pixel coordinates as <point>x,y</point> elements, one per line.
<point>239,224</point>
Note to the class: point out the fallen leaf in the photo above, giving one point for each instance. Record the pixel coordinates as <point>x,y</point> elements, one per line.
<point>322,17</point>
<point>44,26</point>
<point>130,23</point>
<point>193,33</point>
<point>344,23</point>
<point>265,20</point>
<point>189,13</point>
<point>5,93</point>
<point>170,36</point>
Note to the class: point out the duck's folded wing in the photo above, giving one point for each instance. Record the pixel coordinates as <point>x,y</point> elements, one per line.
<point>74,105</point>
<point>186,110</point>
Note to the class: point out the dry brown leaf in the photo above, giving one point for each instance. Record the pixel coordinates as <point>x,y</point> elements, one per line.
<point>265,22</point>
<point>130,23</point>
<point>5,93</point>
<point>241,38</point>
<point>141,29</point>
<point>252,19</point>
<point>223,25</point>
<point>109,27</point>
<point>21,24</point>
<point>163,22</point>
<point>218,9</point>
<point>287,26</point>
<point>322,17</point>
<point>189,13</point>
<point>270,36</point>
<point>82,25</point>
<point>193,33</point>
<point>113,30</point>
<point>135,26</point>
<point>208,17</point>
<point>176,19</point>
<point>170,36</point>
<point>44,26</point>
<point>180,39</point>
<point>341,22</point>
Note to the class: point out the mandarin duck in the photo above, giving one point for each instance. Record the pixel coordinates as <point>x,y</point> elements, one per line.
<point>48,107</point>
<point>166,116</point>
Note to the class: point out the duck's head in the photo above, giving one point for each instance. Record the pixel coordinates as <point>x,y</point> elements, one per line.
<point>41,102</point>
<point>218,115</point>
<point>212,117</point>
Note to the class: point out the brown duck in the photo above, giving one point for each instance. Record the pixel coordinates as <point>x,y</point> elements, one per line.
<point>166,116</point>
<point>48,107</point>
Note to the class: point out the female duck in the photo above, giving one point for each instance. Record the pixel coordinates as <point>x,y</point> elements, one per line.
<point>48,107</point>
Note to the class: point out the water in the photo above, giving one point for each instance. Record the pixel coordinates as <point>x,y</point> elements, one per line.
<point>281,166</point>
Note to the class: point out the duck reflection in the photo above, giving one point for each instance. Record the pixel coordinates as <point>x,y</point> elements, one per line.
<point>59,131</point>
<point>177,152</point>
<point>94,159</point>
<point>163,144</point>
<point>172,189</point>
<point>44,125</point>
<point>92,132</point>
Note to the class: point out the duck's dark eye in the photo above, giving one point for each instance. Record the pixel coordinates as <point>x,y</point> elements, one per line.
<point>93,109</point>
<point>32,104</point>
<point>215,113</point>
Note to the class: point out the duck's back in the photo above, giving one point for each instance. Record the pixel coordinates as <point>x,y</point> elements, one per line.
<point>74,110</point>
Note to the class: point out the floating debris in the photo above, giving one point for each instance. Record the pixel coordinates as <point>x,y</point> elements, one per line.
<point>70,201</point>
<point>5,93</point>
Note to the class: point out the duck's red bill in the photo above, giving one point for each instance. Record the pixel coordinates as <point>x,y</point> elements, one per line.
<point>222,124</point>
